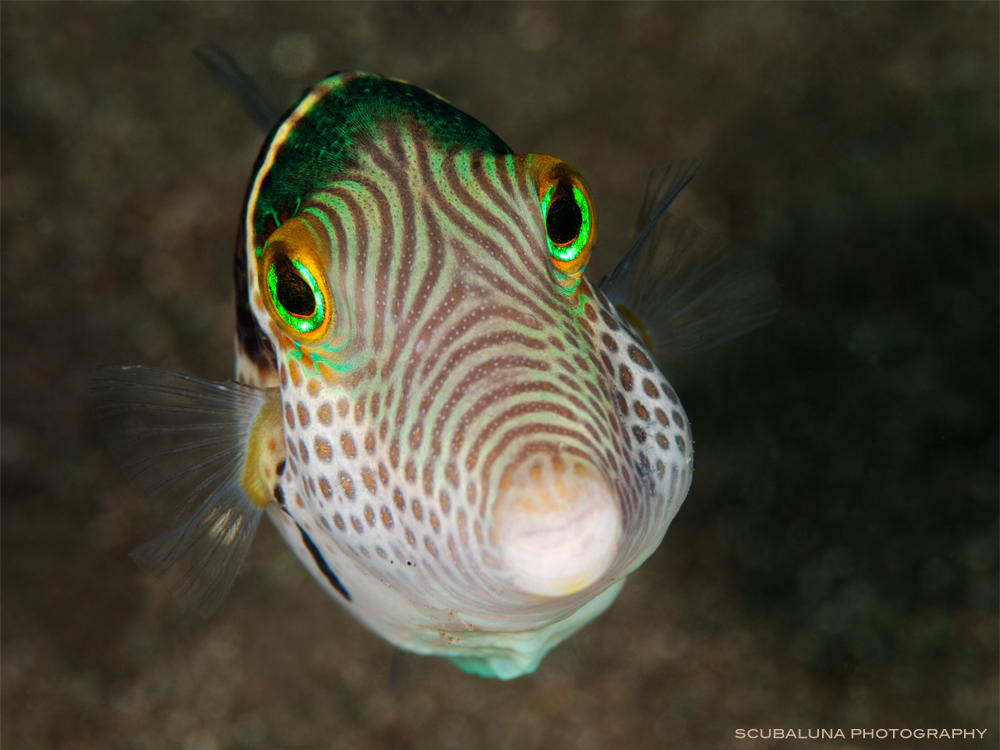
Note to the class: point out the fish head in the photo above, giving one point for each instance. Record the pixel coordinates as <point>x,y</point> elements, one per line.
<point>476,440</point>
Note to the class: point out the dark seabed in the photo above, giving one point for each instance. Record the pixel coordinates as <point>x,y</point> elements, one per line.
<point>835,565</point>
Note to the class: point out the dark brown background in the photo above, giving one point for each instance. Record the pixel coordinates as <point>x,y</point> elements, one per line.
<point>835,564</point>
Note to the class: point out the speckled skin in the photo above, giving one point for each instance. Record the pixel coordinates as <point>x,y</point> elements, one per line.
<point>455,364</point>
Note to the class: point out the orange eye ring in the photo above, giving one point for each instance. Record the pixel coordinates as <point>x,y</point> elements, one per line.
<point>293,282</point>
<point>568,214</point>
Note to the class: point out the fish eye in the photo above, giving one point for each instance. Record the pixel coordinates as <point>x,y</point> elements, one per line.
<point>563,220</point>
<point>293,284</point>
<point>567,221</point>
<point>291,289</point>
<point>295,293</point>
<point>567,215</point>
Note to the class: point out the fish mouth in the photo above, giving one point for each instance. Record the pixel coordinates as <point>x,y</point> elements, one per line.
<point>558,526</point>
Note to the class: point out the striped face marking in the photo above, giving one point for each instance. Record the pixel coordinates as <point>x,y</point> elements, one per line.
<point>477,446</point>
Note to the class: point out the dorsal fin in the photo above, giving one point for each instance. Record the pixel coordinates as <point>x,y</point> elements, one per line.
<point>240,86</point>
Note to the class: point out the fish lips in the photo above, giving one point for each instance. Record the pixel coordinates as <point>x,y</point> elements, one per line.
<point>558,530</point>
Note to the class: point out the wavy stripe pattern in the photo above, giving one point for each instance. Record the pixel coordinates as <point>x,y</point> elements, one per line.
<point>457,360</point>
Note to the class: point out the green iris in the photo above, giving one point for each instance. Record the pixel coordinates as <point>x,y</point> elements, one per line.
<point>567,223</point>
<point>295,294</point>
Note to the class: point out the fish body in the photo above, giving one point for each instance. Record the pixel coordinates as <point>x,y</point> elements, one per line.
<point>467,443</point>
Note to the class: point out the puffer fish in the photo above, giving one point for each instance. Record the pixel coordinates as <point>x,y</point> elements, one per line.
<point>468,444</point>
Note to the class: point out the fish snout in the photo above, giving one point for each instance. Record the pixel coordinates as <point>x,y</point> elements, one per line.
<point>558,525</point>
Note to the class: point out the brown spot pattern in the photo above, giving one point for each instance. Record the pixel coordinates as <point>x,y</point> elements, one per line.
<point>626,377</point>
<point>324,487</point>
<point>347,445</point>
<point>369,479</point>
<point>622,403</point>
<point>638,356</point>
<point>347,485</point>
<point>323,449</point>
<point>324,414</point>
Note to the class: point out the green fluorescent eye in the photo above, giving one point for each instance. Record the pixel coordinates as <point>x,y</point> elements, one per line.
<point>295,294</point>
<point>567,223</point>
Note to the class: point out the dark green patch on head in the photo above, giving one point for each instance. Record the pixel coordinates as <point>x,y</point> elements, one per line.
<point>326,138</point>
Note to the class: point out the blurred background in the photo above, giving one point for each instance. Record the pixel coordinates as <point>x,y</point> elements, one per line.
<point>835,564</point>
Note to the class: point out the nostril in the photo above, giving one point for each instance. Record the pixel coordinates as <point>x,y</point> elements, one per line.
<point>558,531</point>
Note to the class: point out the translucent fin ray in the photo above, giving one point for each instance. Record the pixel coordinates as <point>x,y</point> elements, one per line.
<point>198,560</point>
<point>182,442</point>
<point>691,289</point>
<point>240,86</point>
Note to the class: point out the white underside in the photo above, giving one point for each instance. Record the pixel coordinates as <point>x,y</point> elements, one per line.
<point>400,621</point>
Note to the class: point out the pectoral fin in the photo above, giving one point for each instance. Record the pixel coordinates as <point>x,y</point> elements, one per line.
<point>183,442</point>
<point>682,288</point>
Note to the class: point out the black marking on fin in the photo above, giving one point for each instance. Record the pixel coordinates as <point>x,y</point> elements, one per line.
<point>321,564</point>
